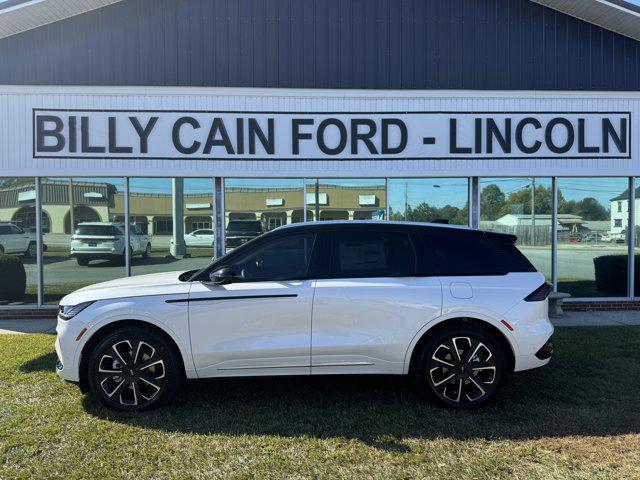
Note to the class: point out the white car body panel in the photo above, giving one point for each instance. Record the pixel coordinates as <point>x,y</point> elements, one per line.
<point>268,333</point>
<point>345,341</point>
<point>198,239</point>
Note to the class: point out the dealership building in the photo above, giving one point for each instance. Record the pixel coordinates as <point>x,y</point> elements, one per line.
<point>182,116</point>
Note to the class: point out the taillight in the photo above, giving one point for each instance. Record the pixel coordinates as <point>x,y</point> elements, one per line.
<point>540,293</point>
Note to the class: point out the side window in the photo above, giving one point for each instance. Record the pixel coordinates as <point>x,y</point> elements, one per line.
<point>281,259</point>
<point>5,230</point>
<point>371,254</point>
<point>472,254</point>
<point>15,230</point>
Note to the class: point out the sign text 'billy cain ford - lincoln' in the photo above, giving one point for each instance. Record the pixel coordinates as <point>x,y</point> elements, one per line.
<point>354,135</point>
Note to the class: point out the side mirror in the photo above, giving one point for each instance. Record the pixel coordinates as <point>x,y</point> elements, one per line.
<point>223,276</point>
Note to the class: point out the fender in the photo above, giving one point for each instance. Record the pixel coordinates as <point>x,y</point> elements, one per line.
<point>126,309</point>
<point>492,320</point>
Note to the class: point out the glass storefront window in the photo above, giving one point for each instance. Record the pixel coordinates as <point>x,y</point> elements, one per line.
<point>444,200</point>
<point>593,220</point>
<point>255,206</point>
<point>83,239</point>
<point>506,206</point>
<point>346,199</point>
<point>154,205</point>
<point>18,269</point>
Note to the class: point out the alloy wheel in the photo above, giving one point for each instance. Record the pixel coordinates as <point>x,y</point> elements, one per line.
<point>131,373</point>
<point>463,370</point>
<point>32,249</point>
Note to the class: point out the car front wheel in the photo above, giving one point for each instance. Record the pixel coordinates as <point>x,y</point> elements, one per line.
<point>461,367</point>
<point>134,369</point>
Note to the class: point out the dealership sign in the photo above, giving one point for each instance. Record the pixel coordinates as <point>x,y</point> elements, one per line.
<point>321,135</point>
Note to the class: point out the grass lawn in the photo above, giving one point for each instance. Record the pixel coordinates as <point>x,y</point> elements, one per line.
<point>577,418</point>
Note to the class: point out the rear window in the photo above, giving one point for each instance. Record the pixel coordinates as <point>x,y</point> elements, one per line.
<point>473,253</point>
<point>102,230</point>
<point>245,227</point>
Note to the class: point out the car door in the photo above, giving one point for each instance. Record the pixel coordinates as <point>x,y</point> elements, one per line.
<point>260,324</point>
<point>375,299</point>
<point>19,239</point>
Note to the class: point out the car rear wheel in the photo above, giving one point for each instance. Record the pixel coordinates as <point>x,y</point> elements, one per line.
<point>147,251</point>
<point>134,369</point>
<point>32,250</point>
<point>83,262</point>
<point>1,249</point>
<point>461,367</point>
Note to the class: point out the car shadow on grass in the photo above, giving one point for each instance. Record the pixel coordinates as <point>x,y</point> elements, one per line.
<point>591,388</point>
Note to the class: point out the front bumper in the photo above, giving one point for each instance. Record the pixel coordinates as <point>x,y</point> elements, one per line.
<point>66,346</point>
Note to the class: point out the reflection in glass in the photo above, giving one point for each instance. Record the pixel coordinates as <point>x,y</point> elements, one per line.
<point>18,270</point>
<point>256,206</point>
<point>346,199</point>
<point>84,243</point>
<point>506,206</point>
<point>592,236</point>
<point>174,219</point>
<point>444,200</point>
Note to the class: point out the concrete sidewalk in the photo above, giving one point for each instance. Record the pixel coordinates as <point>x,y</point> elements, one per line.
<point>570,319</point>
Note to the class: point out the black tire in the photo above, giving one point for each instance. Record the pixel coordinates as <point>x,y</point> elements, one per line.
<point>32,250</point>
<point>83,262</point>
<point>147,251</point>
<point>132,390</point>
<point>1,249</point>
<point>467,379</point>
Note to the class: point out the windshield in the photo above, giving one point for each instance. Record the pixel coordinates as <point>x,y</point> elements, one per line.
<point>102,230</point>
<point>244,227</point>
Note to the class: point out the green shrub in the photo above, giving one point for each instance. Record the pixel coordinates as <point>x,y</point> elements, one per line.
<point>13,279</point>
<point>611,274</point>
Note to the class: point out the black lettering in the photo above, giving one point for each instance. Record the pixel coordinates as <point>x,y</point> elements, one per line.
<point>240,136</point>
<point>113,141</point>
<point>342,142</point>
<point>493,132</point>
<point>453,141</point>
<point>582,148</point>
<point>478,135</point>
<point>364,137</point>
<point>143,133</point>
<point>56,132</point>
<point>175,135</point>
<point>548,135</point>
<point>609,132</point>
<point>402,144</point>
<point>217,127</point>
<point>86,147</point>
<point>73,135</point>
<point>267,141</point>
<point>533,148</point>
<point>296,135</point>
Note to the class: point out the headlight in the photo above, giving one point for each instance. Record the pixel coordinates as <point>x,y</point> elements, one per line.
<point>67,312</point>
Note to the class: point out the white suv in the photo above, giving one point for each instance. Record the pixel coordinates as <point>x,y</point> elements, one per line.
<point>103,240</point>
<point>14,239</point>
<point>455,308</point>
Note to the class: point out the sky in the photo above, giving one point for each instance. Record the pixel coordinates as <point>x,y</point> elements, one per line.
<point>435,191</point>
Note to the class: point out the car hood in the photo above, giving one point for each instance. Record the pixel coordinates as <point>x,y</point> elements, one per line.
<point>166,283</point>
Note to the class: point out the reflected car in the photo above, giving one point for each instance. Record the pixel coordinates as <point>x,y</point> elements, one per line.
<point>199,238</point>
<point>240,232</point>
<point>105,241</point>
<point>456,309</point>
<point>15,239</point>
